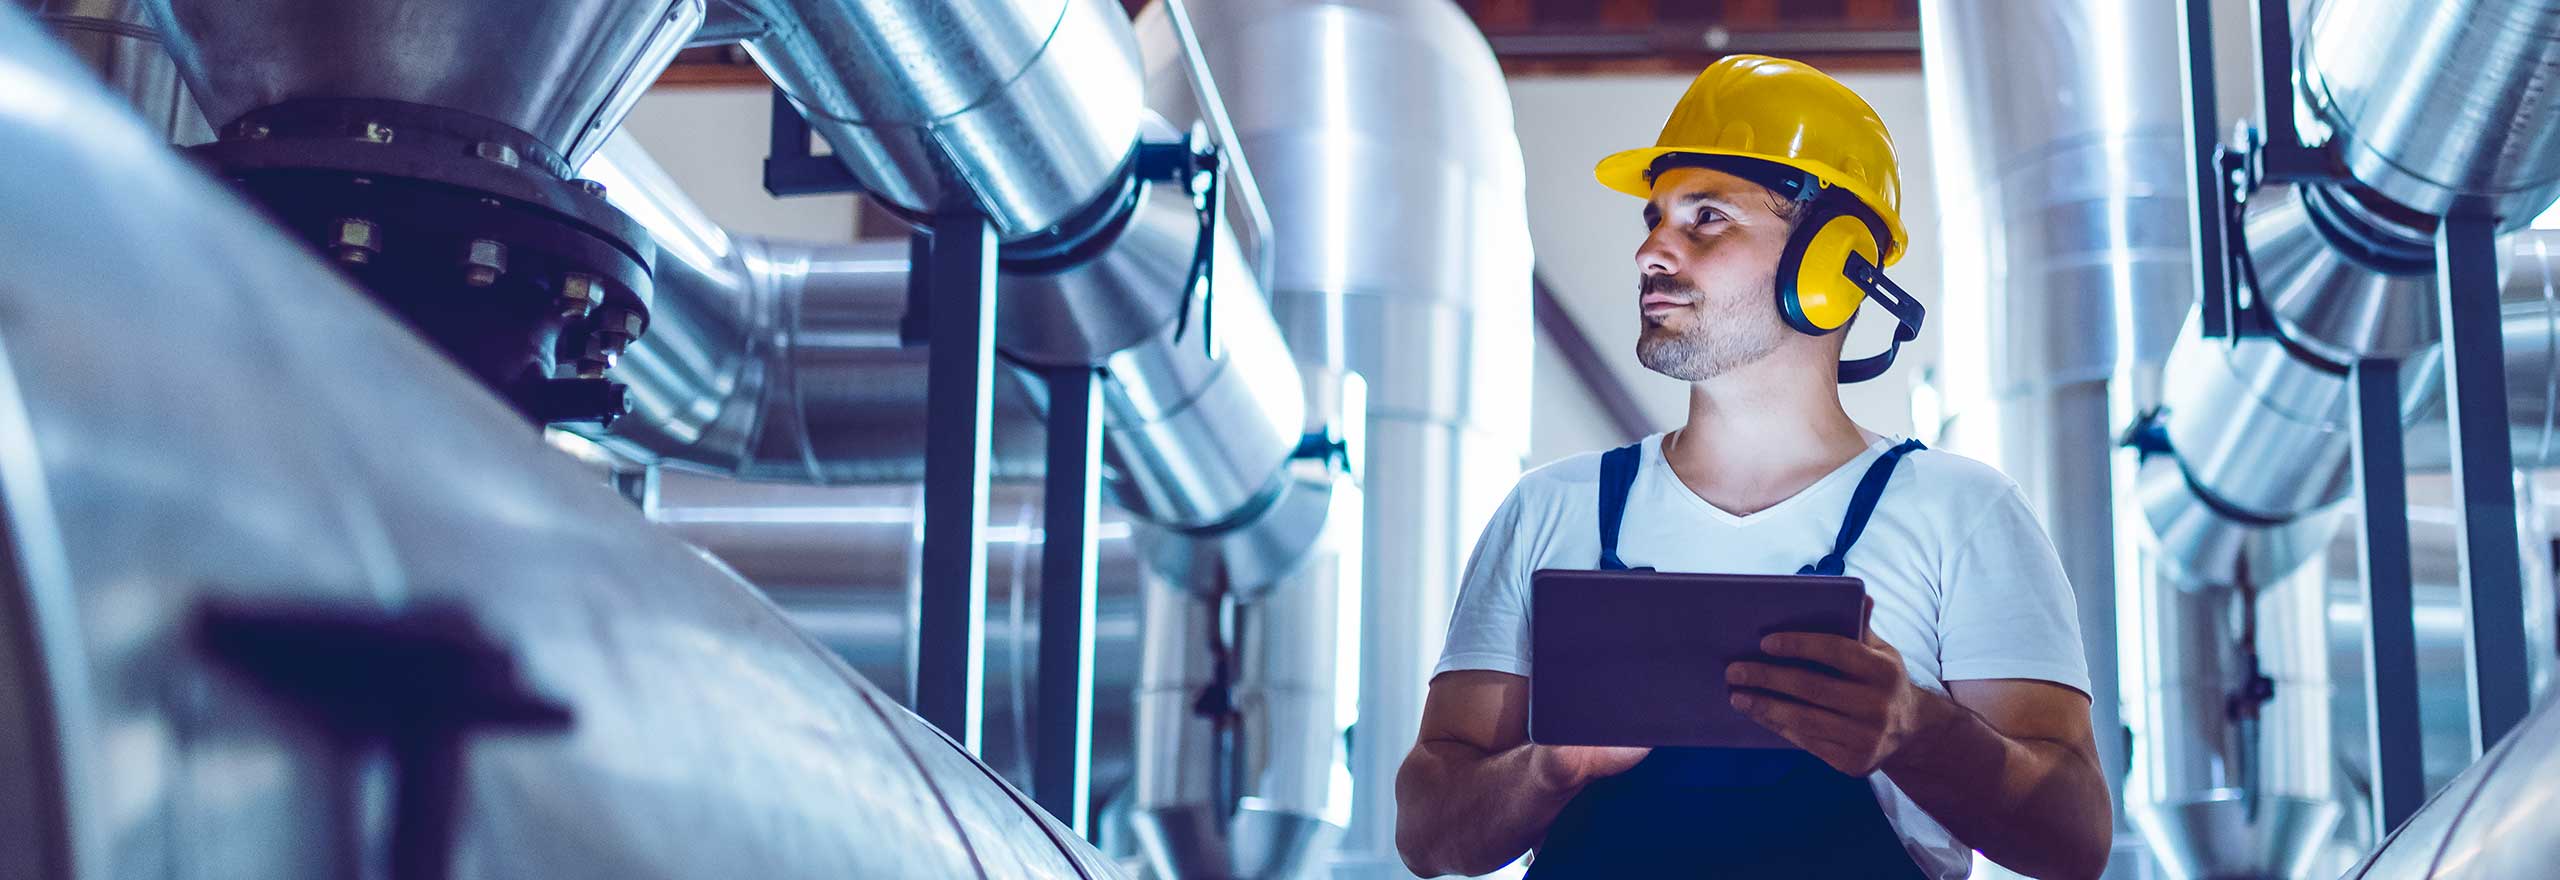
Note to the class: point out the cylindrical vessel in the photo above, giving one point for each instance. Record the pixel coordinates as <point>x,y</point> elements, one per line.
<point>709,737</point>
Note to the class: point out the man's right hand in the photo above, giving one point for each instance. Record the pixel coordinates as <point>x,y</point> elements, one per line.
<point>1575,766</point>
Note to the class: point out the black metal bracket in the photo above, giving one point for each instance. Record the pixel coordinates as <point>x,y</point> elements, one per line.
<point>2227,172</point>
<point>418,682</point>
<point>1194,164</point>
<point>789,168</point>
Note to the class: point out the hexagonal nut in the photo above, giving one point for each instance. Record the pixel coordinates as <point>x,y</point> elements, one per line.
<point>591,187</point>
<point>578,293</point>
<point>356,240</point>
<point>495,152</point>
<point>623,325</point>
<point>374,132</point>
<point>485,261</point>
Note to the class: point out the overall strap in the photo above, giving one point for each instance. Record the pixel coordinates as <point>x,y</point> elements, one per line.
<point>1617,476</point>
<point>1861,506</point>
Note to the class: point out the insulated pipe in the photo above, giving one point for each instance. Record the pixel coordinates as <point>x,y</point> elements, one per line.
<point>2434,101</point>
<point>1027,107</point>
<point>782,361</point>
<point>115,38</point>
<point>844,562</point>
<point>708,738</point>
<point>2059,165</point>
<point>1381,133</point>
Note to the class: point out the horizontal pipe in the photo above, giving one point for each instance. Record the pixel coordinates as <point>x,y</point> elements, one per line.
<point>2434,101</point>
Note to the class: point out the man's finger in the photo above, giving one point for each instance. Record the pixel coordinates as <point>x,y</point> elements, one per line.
<point>1867,624</point>
<point>1802,685</point>
<point>1783,715</point>
<point>1852,658</point>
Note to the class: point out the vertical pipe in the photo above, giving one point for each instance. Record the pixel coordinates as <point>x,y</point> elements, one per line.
<point>950,663</point>
<point>2483,470</point>
<point>2391,629</point>
<point>1062,767</point>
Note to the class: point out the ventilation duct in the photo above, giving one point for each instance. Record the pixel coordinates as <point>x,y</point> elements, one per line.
<point>704,730</point>
<point>2062,164</point>
<point>117,42</point>
<point>2427,103</point>
<point>1380,131</point>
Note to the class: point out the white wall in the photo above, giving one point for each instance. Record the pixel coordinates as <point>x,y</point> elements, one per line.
<point>1586,238</point>
<point>712,141</point>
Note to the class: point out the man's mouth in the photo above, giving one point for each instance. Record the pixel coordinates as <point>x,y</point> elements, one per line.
<point>1657,304</point>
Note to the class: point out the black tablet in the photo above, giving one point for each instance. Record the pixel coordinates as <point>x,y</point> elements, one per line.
<point>1637,658</point>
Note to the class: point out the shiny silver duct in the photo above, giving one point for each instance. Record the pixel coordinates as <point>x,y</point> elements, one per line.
<point>2061,167</point>
<point>1028,107</point>
<point>710,738</point>
<point>2224,787</point>
<point>115,38</point>
<point>2493,821</point>
<point>563,71</point>
<point>2436,101</point>
<point>1243,716</point>
<point>1398,217</point>
<point>776,360</point>
<point>844,562</point>
<point>2265,432</point>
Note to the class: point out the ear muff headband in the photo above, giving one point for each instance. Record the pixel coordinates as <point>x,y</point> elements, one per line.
<point>1830,267</point>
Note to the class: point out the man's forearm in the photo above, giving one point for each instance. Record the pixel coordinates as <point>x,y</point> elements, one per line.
<point>1462,810</point>
<point>2035,806</point>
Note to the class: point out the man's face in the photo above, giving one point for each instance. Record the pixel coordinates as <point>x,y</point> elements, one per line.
<point>1708,289</point>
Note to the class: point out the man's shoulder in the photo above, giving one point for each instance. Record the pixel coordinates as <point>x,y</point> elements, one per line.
<point>1570,477</point>
<point>1957,479</point>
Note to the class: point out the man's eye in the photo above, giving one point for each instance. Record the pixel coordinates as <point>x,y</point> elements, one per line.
<point>1709,215</point>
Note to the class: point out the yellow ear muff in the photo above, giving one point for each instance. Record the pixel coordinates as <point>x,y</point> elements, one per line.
<point>1814,290</point>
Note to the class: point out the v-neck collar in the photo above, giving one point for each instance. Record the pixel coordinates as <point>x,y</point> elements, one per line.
<point>1660,465</point>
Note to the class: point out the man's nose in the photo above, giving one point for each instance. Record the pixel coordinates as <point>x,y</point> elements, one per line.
<point>1656,256</point>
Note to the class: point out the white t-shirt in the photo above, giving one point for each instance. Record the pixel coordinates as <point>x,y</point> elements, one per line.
<point>1965,582</point>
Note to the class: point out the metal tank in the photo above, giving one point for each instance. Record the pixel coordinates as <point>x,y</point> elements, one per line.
<point>2492,821</point>
<point>688,730</point>
<point>1380,133</point>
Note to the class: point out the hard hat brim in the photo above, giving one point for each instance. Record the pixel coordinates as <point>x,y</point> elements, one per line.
<point>1624,171</point>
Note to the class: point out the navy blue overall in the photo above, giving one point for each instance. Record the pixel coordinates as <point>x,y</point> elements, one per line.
<point>1738,813</point>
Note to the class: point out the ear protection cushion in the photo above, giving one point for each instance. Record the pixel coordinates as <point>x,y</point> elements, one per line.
<point>1814,290</point>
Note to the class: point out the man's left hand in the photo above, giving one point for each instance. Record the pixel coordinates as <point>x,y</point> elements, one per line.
<point>1854,712</point>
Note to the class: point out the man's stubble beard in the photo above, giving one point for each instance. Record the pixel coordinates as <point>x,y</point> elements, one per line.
<point>1721,334</point>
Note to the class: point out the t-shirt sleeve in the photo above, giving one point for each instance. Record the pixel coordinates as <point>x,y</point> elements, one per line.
<point>1489,629</point>
<point>2008,610</point>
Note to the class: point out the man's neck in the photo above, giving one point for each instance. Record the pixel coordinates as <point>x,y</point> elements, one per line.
<point>1757,435</point>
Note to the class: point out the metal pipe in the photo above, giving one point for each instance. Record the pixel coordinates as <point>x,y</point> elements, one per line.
<point>116,40</point>
<point>843,563</point>
<point>706,728</point>
<point>1027,108</point>
<point>2434,102</point>
<point>2061,163</point>
<point>1401,254</point>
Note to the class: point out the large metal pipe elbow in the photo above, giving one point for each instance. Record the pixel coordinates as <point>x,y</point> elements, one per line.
<point>1029,108</point>
<point>2438,101</point>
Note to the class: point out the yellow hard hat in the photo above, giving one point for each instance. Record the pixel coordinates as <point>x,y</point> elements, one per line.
<point>1781,111</point>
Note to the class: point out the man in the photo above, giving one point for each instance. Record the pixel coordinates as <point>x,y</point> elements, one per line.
<point>1959,723</point>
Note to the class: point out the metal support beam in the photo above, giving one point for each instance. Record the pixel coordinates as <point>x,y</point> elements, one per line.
<point>1062,757</point>
<point>2391,630</point>
<point>960,368</point>
<point>2204,169</point>
<point>2483,470</point>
